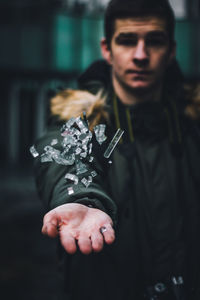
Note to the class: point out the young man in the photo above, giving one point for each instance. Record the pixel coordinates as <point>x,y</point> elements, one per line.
<point>139,219</point>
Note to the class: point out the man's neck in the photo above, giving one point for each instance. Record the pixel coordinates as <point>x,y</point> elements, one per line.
<point>131,97</point>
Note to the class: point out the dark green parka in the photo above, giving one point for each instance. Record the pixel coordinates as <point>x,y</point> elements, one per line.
<point>151,191</point>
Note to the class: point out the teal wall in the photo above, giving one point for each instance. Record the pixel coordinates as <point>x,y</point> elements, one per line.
<point>75,42</point>
<point>188,46</point>
<point>64,43</point>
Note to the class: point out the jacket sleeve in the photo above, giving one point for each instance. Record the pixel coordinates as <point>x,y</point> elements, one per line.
<point>53,187</point>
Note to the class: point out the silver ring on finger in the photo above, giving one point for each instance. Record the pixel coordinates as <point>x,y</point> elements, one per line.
<point>103,229</point>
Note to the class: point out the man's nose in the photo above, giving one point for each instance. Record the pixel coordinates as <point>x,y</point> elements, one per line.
<point>141,55</point>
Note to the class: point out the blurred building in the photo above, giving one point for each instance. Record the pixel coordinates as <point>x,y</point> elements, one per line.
<point>46,44</point>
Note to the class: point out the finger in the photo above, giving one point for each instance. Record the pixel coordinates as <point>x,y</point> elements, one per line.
<point>50,230</point>
<point>108,233</point>
<point>97,241</point>
<point>85,244</point>
<point>68,241</point>
<point>50,223</point>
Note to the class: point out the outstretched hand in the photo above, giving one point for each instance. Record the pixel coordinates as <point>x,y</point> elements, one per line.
<point>79,225</point>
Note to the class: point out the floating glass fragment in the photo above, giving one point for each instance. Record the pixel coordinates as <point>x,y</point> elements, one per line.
<point>54,142</point>
<point>59,160</point>
<point>72,177</point>
<point>99,131</point>
<point>113,143</point>
<point>177,280</point>
<point>91,159</point>
<point>45,158</point>
<point>70,123</point>
<point>34,151</point>
<point>85,182</point>
<point>80,168</point>
<point>83,127</point>
<point>90,148</point>
<point>94,173</point>
<point>50,149</point>
<point>78,151</point>
<point>90,179</point>
<point>70,190</point>
<point>83,154</point>
<point>68,157</point>
<point>160,287</point>
<point>69,140</point>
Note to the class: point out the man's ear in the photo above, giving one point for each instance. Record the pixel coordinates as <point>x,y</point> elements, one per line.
<point>106,52</point>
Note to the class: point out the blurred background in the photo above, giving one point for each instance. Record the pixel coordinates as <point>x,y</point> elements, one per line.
<point>45,45</point>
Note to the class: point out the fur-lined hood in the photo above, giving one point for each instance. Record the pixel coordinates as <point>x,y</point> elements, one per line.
<point>72,103</point>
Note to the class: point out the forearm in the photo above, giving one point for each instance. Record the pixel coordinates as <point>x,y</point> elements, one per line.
<point>53,187</point>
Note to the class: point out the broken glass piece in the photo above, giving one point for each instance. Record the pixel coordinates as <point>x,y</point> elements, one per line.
<point>54,142</point>
<point>69,140</point>
<point>83,154</point>
<point>78,151</point>
<point>80,167</point>
<point>68,160</point>
<point>99,131</point>
<point>83,127</point>
<point>94,173</point>
<point>70,123</point>
<point>59,160</point>
<point>113,143</point>
<point>72,177</point>
<point>70,190</point>
<point>90,179</point>
<point>90,148</point>
<point>82,136</point>
<point>177,280</point>
<point>65,132</point>
<point>34,151</point>
<point>91,159</point>
<point>45,158</point>
<point>85,182</point>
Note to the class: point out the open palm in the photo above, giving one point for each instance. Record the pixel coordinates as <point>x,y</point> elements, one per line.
<point>79,225</point>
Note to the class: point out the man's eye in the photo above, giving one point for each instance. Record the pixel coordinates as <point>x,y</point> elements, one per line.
<point>155,42</point>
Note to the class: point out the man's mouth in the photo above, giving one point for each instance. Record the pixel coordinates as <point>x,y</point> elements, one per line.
<point>137,72</point>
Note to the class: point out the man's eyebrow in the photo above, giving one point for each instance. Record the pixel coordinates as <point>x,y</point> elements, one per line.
<point>125,35</point>
<point>157,33</point>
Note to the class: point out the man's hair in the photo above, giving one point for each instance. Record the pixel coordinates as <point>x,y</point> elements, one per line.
<point>122,9</point>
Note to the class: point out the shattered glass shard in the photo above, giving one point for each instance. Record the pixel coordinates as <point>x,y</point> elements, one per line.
<point>94,173</point>
<point>99,131</point>
<point>34,151</point>
<point>113,143</point>
<point>85,182</point>
<point>80,167</point>
<point>45,158</point>
<point>54,142</point>
<point>72,177</point>
<point>70,190</point>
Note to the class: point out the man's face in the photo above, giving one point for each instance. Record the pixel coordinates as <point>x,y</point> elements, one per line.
<point>139,52</point>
